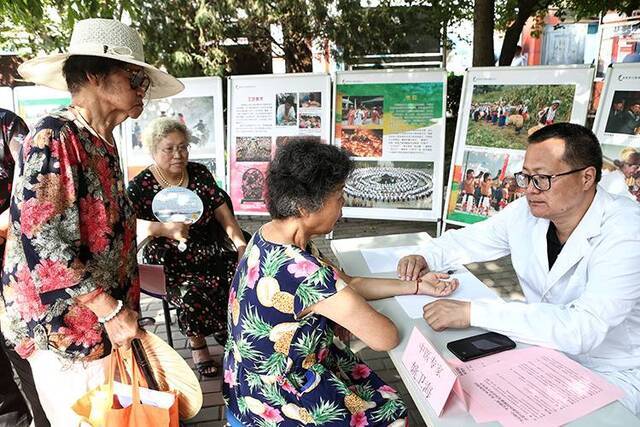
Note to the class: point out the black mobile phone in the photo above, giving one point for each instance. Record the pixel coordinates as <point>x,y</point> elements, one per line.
<point>480,345</point>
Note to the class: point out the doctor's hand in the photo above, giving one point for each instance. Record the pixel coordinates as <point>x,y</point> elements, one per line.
<point>447,313</point>
<point>437,285</point>
<point>411,267</point>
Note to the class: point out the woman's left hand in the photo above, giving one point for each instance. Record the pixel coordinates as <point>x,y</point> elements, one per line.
<point>437,285</point>
<point>241,250</point>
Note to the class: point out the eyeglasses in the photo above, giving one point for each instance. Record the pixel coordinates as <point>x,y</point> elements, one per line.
<point>180,149</point>
<point>540,181</point>
<point>138,79</point>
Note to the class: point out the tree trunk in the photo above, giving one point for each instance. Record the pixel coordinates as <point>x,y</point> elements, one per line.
<point>483,20</point>
<point>298,57</point>
<point>526,9</point>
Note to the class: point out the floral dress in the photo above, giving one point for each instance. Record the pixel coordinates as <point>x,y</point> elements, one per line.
<point>282,370</point>
<point>198,278</point>
<point>72,231</point>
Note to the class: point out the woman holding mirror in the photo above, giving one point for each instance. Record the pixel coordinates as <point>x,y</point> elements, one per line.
<point>198,277</point>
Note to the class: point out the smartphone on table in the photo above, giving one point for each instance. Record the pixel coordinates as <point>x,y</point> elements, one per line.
<point>480,345</point>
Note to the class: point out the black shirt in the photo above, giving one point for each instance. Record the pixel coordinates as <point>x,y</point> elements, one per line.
<point>553,245</point>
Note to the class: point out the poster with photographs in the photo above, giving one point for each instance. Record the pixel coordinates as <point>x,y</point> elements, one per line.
<point>499,109</point>
<point>392,124</point>
<point>199,108</point>
<point>617,126</point>
<point>264,113</point>
<point>6,98</point>
<point>33,102</point>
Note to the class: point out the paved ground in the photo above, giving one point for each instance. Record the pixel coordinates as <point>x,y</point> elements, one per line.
<point>497,274</point>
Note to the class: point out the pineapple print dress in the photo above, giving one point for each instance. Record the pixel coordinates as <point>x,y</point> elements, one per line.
<point>282,370</point>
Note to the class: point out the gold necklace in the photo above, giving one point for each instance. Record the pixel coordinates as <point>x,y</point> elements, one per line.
<point>165,182</point>
<point>86,124</point>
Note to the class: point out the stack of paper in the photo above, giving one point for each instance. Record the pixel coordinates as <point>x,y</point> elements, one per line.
<point>531,387</point>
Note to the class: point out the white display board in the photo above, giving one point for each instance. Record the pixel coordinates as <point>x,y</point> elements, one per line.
<point>6,98</point>
<point>199,107</point>
<point>264,111</point>
<point>392,122</point>
<point>617,126</point>
<point>34,102</point>
<point>499,108</point>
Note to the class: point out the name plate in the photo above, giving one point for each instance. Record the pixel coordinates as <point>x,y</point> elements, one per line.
<point>430,372</point>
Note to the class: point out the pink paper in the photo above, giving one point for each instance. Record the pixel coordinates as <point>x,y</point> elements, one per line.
<point>429,370</point>
<point>536,386</point>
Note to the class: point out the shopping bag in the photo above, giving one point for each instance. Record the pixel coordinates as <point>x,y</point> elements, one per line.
<point>121,404</point>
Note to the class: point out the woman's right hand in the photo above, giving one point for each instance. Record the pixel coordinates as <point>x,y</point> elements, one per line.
<point>177,231</point>
<point>123,328</point>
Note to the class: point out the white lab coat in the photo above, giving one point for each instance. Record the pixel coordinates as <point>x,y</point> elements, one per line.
<point>587,306</point>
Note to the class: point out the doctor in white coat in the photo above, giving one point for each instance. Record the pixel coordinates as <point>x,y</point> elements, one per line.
<point>576,251</point>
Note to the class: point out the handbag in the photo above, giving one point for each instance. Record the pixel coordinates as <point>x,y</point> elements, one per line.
<point>118,404</point>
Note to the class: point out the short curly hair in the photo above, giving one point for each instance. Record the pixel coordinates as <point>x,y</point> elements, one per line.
<point>302,175</point>
<point>159,128</point>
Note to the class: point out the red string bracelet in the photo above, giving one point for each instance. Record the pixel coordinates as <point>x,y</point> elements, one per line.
<point>417,286</point>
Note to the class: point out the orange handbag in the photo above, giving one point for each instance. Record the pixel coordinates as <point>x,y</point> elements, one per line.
<point>127,405</point>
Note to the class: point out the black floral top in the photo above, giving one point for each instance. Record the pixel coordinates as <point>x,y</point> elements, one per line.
<point>71,232</point>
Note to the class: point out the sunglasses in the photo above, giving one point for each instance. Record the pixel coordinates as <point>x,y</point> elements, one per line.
<point>138,79</point>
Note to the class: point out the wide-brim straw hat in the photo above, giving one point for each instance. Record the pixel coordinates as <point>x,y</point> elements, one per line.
<point>172,373</point>
<point>106,38</point>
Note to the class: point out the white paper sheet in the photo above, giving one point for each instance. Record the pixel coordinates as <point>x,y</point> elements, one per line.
<point>384,260</point>
<point>470,289</point>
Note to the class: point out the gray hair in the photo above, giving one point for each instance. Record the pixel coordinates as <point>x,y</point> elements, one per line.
<point>158,129</point>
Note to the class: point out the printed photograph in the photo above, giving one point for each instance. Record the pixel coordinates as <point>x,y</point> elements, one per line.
<point>253,148</point>
<point>387,184</point>
<point>624,113</point>
<point>362,110</point>
<point>502,116</point>
<point>286,109</point>
<point>362,142</point>
<point>484,184</point>
<point>310,121</point>
<point>196,113</point>
<point>621,170</point>
<point>310,99</point>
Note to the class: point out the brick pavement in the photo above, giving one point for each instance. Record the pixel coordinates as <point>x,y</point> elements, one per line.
<point>496,274</point>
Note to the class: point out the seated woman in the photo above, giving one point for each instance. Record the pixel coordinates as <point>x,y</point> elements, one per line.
<point>198,278</point>
<point>282,362</point>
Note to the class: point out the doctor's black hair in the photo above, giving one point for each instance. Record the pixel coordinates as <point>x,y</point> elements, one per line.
<point>302,175</point>
<point>581,146</point>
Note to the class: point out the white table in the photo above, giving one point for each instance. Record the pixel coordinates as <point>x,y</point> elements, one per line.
<point>350,258</point>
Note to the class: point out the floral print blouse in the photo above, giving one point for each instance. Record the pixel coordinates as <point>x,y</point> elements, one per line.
<point>72,231</point>
<point>283,370</point>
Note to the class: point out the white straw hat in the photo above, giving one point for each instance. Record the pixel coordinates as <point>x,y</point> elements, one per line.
<point>105,38</point>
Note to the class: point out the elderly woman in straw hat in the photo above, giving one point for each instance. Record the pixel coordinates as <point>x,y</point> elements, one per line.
<point>198,278</point>
<point>70,284</point>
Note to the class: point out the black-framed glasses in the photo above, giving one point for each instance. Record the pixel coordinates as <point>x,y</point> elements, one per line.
<point>540,181</point>
<point>138,79</point>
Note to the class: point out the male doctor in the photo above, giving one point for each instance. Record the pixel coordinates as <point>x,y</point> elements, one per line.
<point>576,251</point>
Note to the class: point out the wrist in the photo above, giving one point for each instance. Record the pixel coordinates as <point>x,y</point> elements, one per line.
<point>112,315</point>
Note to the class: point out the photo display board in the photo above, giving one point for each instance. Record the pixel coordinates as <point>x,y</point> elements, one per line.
<point>6,98</point>
<point>617,126</point>
<point>199,108</point>
<point>499,108</point>
<point>34,102</point>
<point>264,112</point>
<point>392,123</point>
